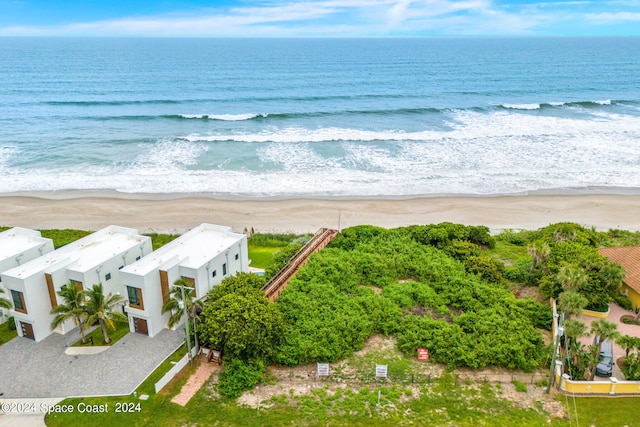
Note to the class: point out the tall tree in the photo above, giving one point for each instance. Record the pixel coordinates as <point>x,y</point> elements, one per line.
<point>72,308</point>
<point>602,331</point>
<point>100,308</point>
<point>244,326</point>
<point>181,297</point>
<point>4,303</point>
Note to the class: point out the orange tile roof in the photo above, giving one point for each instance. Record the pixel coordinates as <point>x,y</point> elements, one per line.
<point>629,258</point>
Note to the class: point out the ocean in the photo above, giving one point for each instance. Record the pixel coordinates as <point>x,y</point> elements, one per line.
<point>253,118</point>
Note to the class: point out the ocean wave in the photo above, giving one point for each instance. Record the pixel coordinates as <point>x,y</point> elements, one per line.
<point>561,104</point>
<point>224,117</point>
<point>296,134</point>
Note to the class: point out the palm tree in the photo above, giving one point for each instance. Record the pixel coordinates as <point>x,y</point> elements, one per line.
<point>574,329</point>
<point>176,305</point>
<point>100,307</point>
<point>183,300</point>
<point>571,303</point>
<point>602,331</point>
<point>539,252</point>
<point>4,303</point>
<point>72,308</point>
<point>572,277</point>
<point>627,343</point>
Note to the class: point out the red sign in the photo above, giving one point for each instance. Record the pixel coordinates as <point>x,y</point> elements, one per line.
<point>423,354</point>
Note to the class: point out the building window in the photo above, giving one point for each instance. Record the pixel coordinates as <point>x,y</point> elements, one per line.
<point>237,256</point>
<point>121,267</point>
<point>135,297</point>
<point>107,276</point>
<point>137,258</point>
<point>224,269</point>
<point>214,273</point>
<point>18,301</point>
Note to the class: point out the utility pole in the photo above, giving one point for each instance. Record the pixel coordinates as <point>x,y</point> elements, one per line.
<point>559,334</point>
<point>186,324</point>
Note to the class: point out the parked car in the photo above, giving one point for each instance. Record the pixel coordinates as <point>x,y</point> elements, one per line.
<point>604,368</point>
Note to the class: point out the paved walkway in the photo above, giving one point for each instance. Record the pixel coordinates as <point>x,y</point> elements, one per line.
<point>615,313</point>
<point>43,370</point>
<point>195,381</point>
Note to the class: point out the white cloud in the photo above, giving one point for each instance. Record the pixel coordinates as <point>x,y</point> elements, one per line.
<point>613,17</point>
<point>351,18</point>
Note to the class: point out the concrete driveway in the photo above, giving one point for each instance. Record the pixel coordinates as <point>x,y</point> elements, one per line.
<point>43,370</point>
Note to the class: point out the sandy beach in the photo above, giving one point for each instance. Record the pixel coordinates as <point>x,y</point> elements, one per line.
<point>176,214</point>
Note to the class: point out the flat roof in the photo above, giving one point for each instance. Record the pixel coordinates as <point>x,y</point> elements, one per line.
<point>192,250</point>
<point>17,240</point>
<point>85,253</point>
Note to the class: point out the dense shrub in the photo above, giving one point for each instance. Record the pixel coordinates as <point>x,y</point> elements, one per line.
<point>623,302</point>
<point>11,323</point>
<point>239,376</point>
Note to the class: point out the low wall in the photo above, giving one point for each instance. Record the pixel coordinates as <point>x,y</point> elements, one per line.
<point>611,387</point>
<point>172,373</point>
<point>174,370</point>
<point>596,314</point>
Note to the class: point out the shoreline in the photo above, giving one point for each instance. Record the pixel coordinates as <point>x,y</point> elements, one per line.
<point>177,213</point>
<point>116,194</point>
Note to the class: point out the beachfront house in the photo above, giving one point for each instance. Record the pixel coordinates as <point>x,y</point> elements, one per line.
<point>204,256</point>
<point>94,259</point>
<point>18,246</point>
<point>629,258</point>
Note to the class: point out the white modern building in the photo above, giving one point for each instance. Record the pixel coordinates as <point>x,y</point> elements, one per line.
<point>18,246</point>
<point>94,259</point>
<point>203,256</point>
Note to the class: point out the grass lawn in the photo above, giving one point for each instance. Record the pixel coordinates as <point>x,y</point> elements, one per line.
<point>262,256</point>
<point>6,334</point>
<point>121,330</point>
<point>604,412</point>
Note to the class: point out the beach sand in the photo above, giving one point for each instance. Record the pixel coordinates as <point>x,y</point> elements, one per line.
<point>165,213</point>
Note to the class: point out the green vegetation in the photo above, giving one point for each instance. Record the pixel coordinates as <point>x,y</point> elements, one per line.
<point>159,240</point>
<point>437,293</point>
<point>7,333</point>
<point>603,412</point>
<point>96,337</point>
<point>64,237</point>
<point>263,247</point>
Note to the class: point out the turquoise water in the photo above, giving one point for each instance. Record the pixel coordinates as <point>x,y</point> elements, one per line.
<point>319,117</point>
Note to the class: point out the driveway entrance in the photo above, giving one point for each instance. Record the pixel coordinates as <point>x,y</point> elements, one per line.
<point>40,370</point>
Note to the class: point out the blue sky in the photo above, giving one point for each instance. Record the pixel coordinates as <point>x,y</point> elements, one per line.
<point>319,18</point>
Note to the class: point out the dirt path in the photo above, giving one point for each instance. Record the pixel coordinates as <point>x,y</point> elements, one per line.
<point>195,382</point>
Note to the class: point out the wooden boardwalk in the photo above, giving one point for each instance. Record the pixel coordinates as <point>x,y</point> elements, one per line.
<point>277,283</point>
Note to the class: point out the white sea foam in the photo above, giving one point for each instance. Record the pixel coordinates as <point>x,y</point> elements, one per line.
<point>224,117</point>
<point>168,155</point>
<point>522,106</point>
<point>605,102</point>
<point>298,134</point>
<point>482,153</point>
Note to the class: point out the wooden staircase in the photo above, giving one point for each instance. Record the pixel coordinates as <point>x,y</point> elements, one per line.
<point>278,282</point>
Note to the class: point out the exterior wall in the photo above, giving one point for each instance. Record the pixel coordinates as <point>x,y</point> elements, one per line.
<point>151,288</point>
<point>36,299</point>
<point>36,292</point>
<point>612,387</point>
<point>633,296</point>
<point>44,246</point>
<point>151,300</point>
